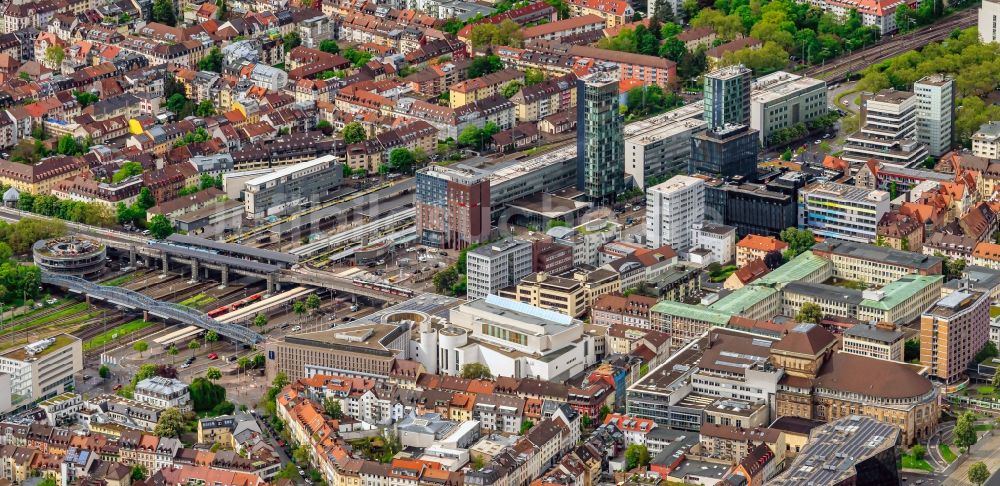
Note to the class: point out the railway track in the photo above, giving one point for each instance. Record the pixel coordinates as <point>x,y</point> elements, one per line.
<point>843,66</point>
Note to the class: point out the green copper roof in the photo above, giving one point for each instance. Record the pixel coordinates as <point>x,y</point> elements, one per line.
<point>897,292</point>
<point>799,268</point>
<point>742,299</point>
<point>695,312</point>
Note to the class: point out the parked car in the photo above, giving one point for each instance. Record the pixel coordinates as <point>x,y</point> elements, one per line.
<point>117,387</point>
<point>296,328</point>
<point>213,356</point>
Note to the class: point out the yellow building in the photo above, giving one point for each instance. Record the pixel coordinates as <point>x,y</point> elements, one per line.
<point>482,87</point>
<point>565,295</point>
<point>39,178</point>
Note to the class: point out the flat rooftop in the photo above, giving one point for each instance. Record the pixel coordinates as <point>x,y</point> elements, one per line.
<point>551,321</point>
<point>61,341</point>
<point>365,338</point>
<point>826,292</point>
<point>873,253</point>
<point>954,303</point>
<point>845,192</point>
<point>834,450</point>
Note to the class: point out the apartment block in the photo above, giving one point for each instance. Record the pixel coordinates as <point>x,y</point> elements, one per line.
<point>483,87</point>
<point>935,113</point>
<point>986,140</point>
<point>952,332</point>
<point>496,266</point>
<point>565,295</point>
<point>672,209</point>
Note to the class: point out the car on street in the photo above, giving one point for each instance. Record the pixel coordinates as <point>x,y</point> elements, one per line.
<point>117,387</point>
<point>296,328</point>
<point>213,356</point>
<point>185,365</point>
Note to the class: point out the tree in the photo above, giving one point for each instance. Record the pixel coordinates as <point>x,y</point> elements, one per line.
<point>401,160</point>
<point>292,40</point>
<point>85,98</point>
<point>964,433</point>
<point>353,133</point>
<point>163,12</point>
<point>483,65</point>
<point>205,108</point>
<point>171,423</point>
<point>764,60</point>
<point>798,241</point>
<point>476,371</point>
<point>918,451</point>
<point>562,9</point>
<point>673,49</point>
<point>128,169</point>
<point>329,46</point>
<point>54,55</point>
<point>810,312</point>
<point>978,473</point>
<point>193,345</point>
<point>213,374</point>
<point>478,462</point>
<point>139,473</point>
<point>995,380</point>
<point>212,61</point>
<point>325,127</point>
<point>773,259</point>
<point>357,58</point>
<point>104,372</point>
<point>663,11</point>
<point>145,199</point>
<point>299,308</point>
<point>332,408</point>
<point>222,9</point>
<point>205,395</point>
<point>301,455</point>
<point>313,302</point>
<point>68,145</point>
<point>905,18</point>
<point>636,455</point>
<point>445,280</point>
<point>173,351</point>
<point>526,425</point>
<point>602,413</point>
<point>511,89</point>
<point>160,227</point>
<point>260,320</point>
<point>533,76</point>
<point>989,350</point>
<point>586,421</point>
<point>140,346</point>
<point>911,350</point>
<point>506,33</point>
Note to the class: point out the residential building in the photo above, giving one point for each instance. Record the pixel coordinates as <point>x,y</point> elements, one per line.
<point>718,239</point>
<point>888,131</point>
<point>661,146</point>
<point>538,101</point>
<point>935,113</point>
<point>989,16</point>
<point>492,267</point>
<point>616,12</point>
<point>163,392</point>
<point>986,140</point>
<point>952,332</point>
<point>781,100</point>
<point>453,206</point>
<point>901,232</point>
<point>289,188</point>
<point>571,27</point>
<point>600,138</point>
<point>753,247</point>
<point>823,459</point>
<point>875,341</point>
<point>840,211</point>
<point>630,66</point>
<point>483,87</point>
<point>632,311</point>
<point>39,370</point>
<point>672,209</point>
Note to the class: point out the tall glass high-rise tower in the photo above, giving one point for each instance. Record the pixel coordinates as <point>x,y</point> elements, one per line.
<point>600,138</point>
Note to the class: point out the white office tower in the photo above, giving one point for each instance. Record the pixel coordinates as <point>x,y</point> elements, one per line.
<point>935,113</point>
<point>989,17</point>
<point>672,208</point>
<point>888,131</point>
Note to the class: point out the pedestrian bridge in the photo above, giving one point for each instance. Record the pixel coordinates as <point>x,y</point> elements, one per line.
<point>166,310</point>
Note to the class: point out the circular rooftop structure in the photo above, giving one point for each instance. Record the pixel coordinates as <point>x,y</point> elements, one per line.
<point>75,256</point>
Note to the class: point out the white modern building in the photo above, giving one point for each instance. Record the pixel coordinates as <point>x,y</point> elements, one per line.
<point>292,187</point>
<point>986,141</point>
<point>39,370</point>
<point>718,239</point>
<point>163,392</point>
<point>874,342</point>
<point>492,267</point>
<point>672,209</point>
<point>989,17</point>
<point>888,131</point>
<point>514,339</point>
<point>935,112</point>
<point>841,211</point>
<point>783,100</point>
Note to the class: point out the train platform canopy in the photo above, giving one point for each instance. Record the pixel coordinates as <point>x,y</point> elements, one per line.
<point>234,250</point>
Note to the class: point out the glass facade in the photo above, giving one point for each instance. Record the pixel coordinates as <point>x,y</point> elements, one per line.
<point>600,138</point>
